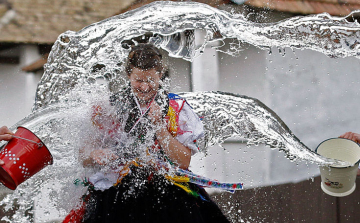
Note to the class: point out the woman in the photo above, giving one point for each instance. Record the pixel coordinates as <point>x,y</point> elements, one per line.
<point>165,125</point>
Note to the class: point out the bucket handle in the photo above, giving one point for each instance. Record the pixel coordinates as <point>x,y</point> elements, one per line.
<point>40,144</point>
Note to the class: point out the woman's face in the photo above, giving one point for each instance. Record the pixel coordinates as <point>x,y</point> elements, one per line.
<point>145,84</point>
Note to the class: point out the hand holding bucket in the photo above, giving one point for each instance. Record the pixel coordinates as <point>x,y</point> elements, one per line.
<point>5,134</point>
<point>339,181</point>
<point>23,156</point>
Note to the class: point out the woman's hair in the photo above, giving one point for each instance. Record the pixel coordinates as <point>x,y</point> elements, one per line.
<point>144,56</point>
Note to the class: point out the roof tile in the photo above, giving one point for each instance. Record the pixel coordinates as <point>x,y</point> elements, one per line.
<point>333,7</point>
<point>41,21</point>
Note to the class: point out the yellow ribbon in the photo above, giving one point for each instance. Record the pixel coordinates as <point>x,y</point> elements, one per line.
<point>125,171</point>
<point>172,125</point>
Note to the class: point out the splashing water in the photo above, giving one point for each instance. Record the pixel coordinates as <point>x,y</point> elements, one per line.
<point>69,87</point>
<point>242,116</point>
<point>76,55</point>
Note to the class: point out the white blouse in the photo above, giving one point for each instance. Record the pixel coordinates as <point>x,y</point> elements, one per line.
<point>191,130</point>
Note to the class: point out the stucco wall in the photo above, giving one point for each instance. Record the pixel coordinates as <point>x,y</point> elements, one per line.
<point>17,91</point>
<point>316,96</point>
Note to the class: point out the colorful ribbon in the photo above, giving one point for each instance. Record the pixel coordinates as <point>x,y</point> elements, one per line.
<point>206,182</point>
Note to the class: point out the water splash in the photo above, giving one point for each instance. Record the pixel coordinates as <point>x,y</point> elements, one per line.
<point>229,115</point>
<point>97,51</point>
<point>63,128</point>
<point>79,59</point>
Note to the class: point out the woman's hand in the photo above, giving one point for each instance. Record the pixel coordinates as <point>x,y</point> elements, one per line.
<point>352,136</point>
<point>177,152</point>
<point>103,156</point>
<point>5,134</point>
<point>155,114</point>
<point>100,157</point>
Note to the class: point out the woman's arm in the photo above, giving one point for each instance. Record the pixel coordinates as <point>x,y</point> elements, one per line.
<point>177,152</point>
<point>91,154</point>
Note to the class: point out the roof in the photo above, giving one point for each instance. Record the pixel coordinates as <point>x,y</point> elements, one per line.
<point>42,21</point>
<point>333,7</point>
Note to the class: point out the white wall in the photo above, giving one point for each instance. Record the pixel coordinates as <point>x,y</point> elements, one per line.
<point>180,75</point>
<point>17,91</point>
<point>245,74</point>
<point>234,161</point>
<point>316,96</point>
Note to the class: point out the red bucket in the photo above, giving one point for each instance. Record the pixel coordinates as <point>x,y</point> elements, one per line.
<point>24,155</point>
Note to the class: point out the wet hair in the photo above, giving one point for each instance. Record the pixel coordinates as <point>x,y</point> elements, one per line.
<point>144,56</point>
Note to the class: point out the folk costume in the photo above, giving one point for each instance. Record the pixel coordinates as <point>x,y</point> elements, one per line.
<point>145,193</point>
